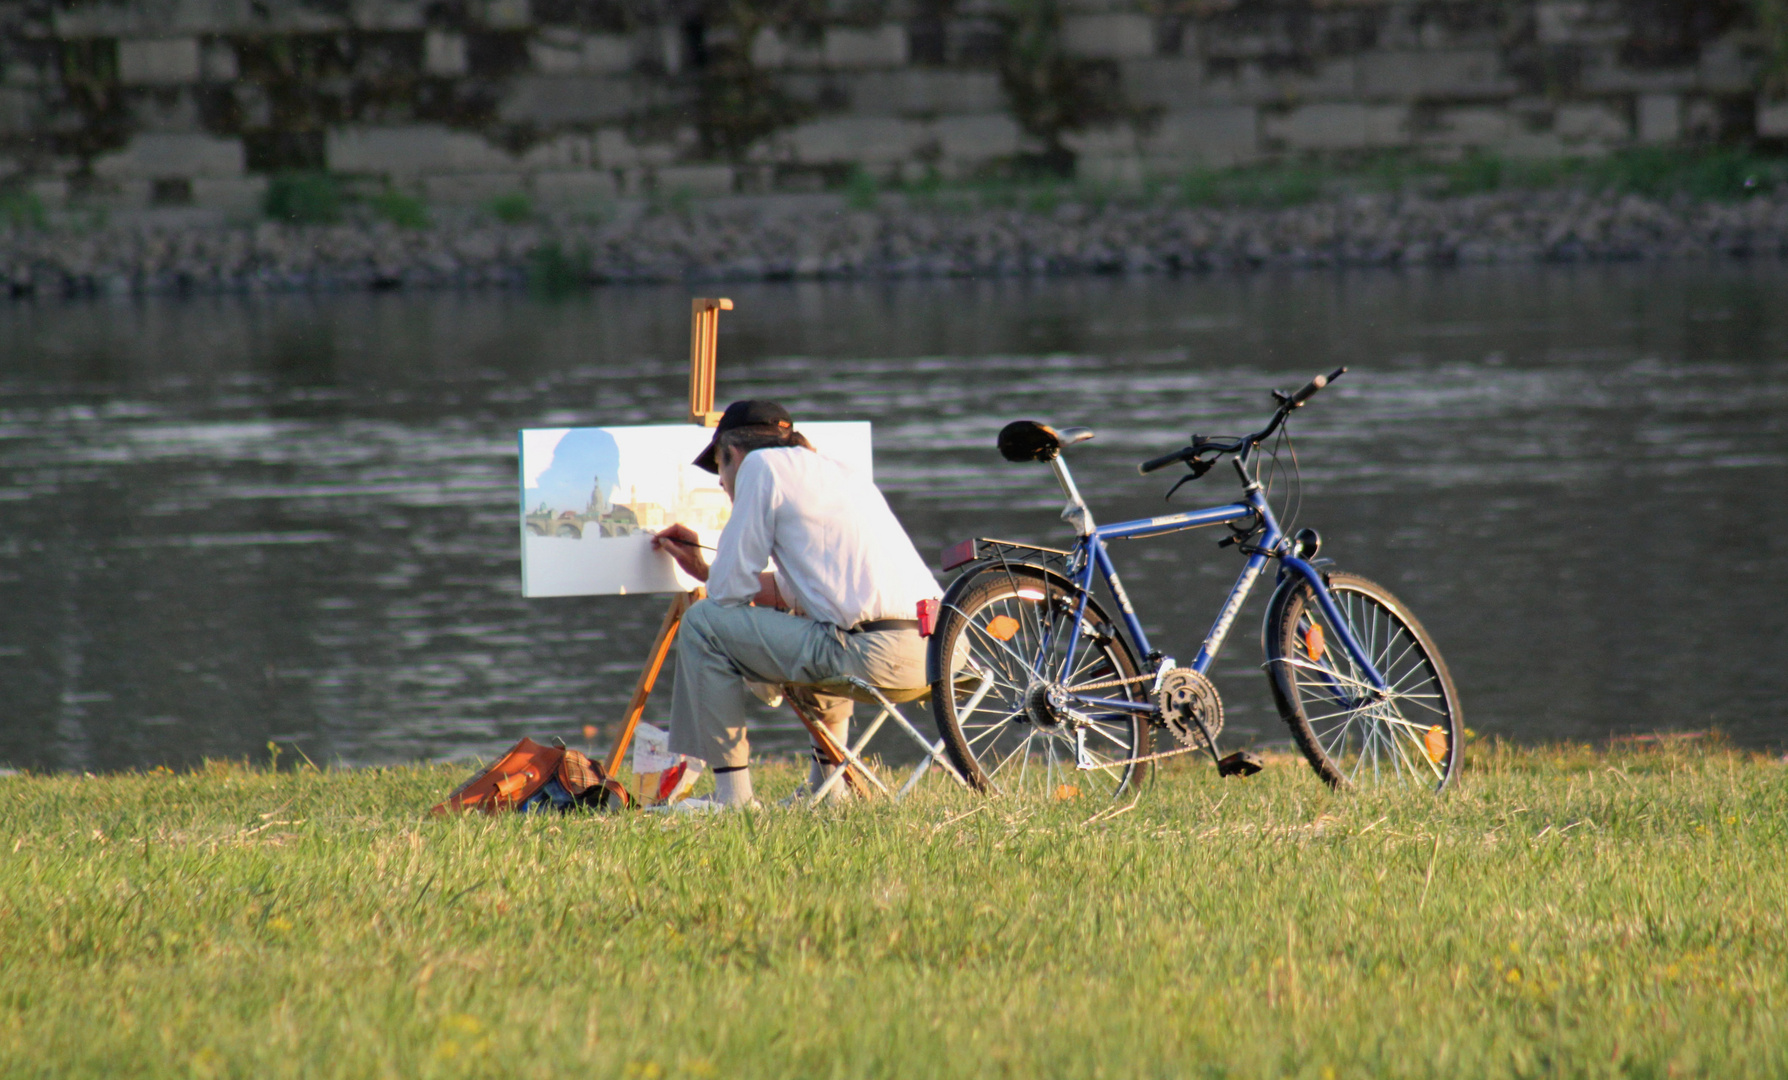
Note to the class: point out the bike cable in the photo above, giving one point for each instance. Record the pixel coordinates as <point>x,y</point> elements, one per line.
<point>1294,489</point>
<point>1294,483</point>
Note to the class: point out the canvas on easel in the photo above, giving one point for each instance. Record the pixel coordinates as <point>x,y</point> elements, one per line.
<point>592,497</point>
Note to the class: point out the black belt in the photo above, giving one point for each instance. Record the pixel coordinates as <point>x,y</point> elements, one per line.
<point>873,625</point>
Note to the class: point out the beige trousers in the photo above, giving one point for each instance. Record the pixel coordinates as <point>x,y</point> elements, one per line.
<point>720,646</point>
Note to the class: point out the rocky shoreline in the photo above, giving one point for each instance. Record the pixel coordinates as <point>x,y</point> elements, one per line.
<point>824,238</point>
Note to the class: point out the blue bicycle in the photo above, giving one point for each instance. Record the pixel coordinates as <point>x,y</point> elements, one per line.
<point>1037,689</point>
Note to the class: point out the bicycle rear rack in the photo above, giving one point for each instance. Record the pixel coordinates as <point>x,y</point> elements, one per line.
<point>983,548</point>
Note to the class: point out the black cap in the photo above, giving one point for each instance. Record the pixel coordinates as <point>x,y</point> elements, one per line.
<point>743,414</point>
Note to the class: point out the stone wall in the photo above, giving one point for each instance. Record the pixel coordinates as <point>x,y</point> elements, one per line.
<point>198,102</point>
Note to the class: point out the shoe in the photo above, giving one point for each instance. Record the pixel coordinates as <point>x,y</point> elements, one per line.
<point>701,805</point>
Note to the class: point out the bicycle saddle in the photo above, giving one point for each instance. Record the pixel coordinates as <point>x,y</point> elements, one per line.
<point>1027,440</point>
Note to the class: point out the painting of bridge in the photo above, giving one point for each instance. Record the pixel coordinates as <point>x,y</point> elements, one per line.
<point>592,497</point>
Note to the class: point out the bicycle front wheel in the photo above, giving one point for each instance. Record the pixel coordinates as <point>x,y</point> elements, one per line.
<point>1352,734</point>
<point>1006,693</point>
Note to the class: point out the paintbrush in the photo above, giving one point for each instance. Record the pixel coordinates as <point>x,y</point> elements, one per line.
<point>685,543</point>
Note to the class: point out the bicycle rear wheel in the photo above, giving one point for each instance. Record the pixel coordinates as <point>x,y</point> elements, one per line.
<point>1001,692</point>
<point>1410,736</point>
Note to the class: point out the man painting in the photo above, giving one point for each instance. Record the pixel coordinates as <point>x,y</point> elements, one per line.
<point>842,600</point>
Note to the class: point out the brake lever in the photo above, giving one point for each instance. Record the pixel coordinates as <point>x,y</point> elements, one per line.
<point>1198,467</point>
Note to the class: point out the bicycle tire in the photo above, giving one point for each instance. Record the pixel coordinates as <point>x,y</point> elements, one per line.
<point>997,740</point>
<point>1353,739</point>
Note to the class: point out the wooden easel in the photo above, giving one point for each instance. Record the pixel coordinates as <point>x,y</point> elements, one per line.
<point>704,348</point>
<point>704,340</point>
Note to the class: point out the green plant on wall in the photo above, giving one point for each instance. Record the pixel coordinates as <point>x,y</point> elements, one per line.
<point>736,103</point>
<point>552,271</point>
<point>861,190</point>
<point>304,198</point>
<point>1050,93</point>
<point>1772,23</point>
<point>22,209</point>
<point>403,210</point>
<point>100,121</point>
<point>513,208</point>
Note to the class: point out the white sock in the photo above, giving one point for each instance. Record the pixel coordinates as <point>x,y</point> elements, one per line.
<point>733,787</point>
<point>816,772</point>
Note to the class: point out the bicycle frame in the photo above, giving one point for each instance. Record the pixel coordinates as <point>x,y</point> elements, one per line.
<point>1091,555</point>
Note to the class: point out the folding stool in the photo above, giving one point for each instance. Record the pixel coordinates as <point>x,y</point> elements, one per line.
<point>847,760</point>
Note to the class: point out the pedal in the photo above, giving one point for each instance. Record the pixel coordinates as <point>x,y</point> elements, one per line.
<point>1240,763</point>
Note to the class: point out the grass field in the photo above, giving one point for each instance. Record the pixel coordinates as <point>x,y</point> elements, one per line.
<point>1564,912</point>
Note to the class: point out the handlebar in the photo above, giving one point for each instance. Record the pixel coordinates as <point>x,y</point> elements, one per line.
<point>1287,402</point>
<point>1310,388</point>
<point>1162,462</point>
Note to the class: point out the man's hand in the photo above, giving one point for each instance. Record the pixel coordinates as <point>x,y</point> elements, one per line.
<point>681,543</point>
<point>768,595</point>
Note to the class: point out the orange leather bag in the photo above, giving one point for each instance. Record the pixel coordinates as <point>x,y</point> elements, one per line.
<point>519,774</point>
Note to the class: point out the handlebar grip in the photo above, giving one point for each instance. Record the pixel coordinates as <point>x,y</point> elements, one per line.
<point>1311,387</point>
<point>1164,460</point>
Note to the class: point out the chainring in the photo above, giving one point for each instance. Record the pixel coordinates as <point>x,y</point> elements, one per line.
<point>1185,697</point>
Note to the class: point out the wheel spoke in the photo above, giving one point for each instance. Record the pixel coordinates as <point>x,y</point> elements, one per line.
<point>991,724</point>
<point>994,728</point>
<point>1023,748</point>
<point>1361,733</point>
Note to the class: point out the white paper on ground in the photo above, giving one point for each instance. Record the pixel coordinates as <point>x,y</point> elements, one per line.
<point>651,750</point>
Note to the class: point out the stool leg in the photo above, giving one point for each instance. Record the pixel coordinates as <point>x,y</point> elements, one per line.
<point>853,755</point>
<point>830,747</point>
<point>933,751</point>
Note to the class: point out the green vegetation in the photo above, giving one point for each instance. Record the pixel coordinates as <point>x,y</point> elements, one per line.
<point>304,198</point>
<point>552,272</point>
<point>317,198</point>
<point>1772,27</point>
<point>1563,912</point>
<point>22,209</point>
<point>400,209</point>
<point>1050,92</point>
<point>678,200</point>
<point>1719,173</point>
<point>860,190</point>
<point>1724,173</point>
<point>511,209</point>
<point>1277,185</point>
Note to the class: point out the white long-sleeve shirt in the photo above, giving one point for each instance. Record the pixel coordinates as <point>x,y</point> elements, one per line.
<point>841,555</point>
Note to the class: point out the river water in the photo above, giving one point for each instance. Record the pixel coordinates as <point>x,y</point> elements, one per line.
<point>230,521</point>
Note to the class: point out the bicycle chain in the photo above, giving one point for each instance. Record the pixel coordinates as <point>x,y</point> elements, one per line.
<point>1107,685</point>
<point>1152,757</point>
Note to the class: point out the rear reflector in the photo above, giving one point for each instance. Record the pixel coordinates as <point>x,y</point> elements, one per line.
<point>958,554</point>
<point>927,617</point>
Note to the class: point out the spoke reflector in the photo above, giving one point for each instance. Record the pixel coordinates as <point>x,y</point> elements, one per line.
<point>1064,792</point>
<point>1004,627</point>
<point>1434,740</point>
<point>1313,642</point>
